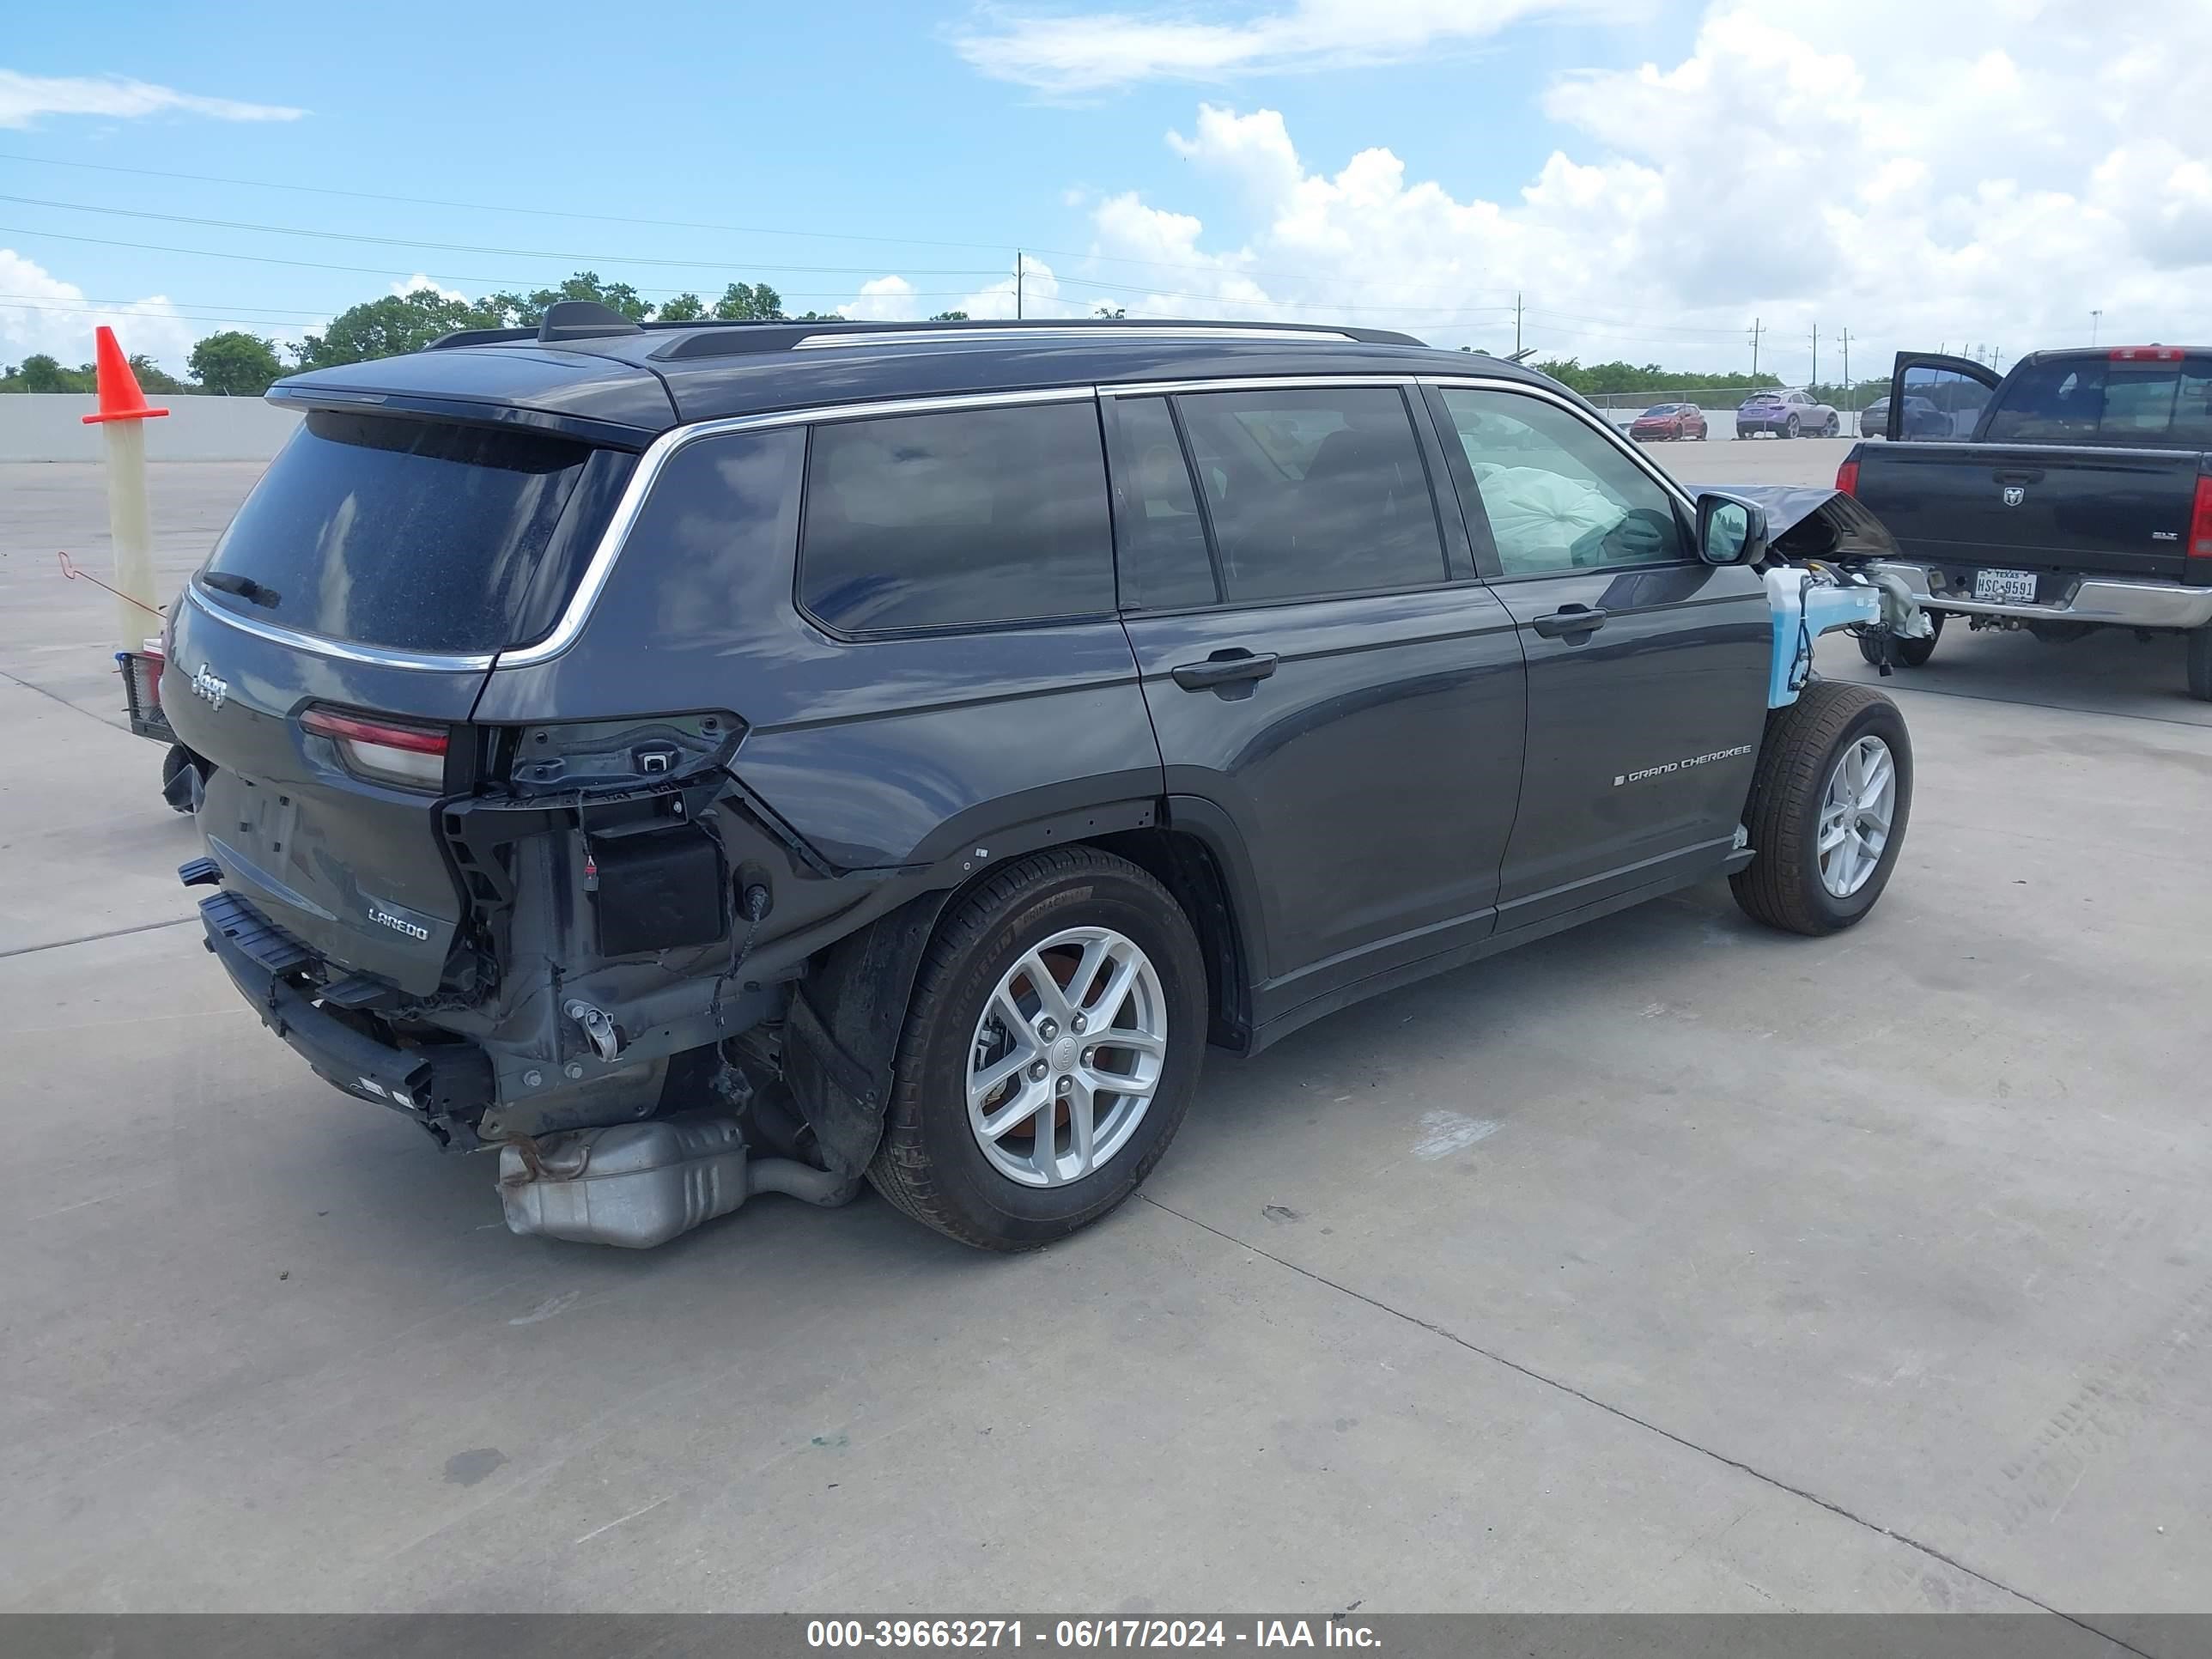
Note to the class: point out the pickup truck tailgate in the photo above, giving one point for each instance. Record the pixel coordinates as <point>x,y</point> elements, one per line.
<point>2110,512</point>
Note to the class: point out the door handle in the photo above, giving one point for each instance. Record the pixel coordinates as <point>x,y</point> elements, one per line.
<point>1224,668</point>
<point>2020,475</point>
<point>1570,619</point>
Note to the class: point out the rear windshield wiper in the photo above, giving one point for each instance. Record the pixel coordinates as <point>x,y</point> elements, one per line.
<point>225,582</point>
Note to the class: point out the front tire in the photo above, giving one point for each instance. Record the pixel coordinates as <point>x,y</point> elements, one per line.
<point>1830,799</point>
<point>1004,1129</point>
<point>2200,664</point>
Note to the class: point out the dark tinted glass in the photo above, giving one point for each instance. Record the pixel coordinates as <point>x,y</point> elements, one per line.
<point>2100,400</point>
<point>1314,492</point>
<point>969,517</point>
<point>1163,557</point>
<point>414,534</point>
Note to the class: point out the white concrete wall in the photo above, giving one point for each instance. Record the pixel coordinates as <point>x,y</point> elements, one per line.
<point>40,426</point>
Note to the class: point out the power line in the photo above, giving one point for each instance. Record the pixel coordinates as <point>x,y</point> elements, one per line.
<point>469,247</point>
<point>304,265</point>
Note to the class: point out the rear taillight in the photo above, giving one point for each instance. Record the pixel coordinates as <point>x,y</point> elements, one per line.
<point>2200,520</point>
<point>386,751</point>
<point>1847,478</point>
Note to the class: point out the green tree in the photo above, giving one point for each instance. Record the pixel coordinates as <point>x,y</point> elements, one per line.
<point>750,302</point>
<point>234,364</point>
<point>950,316</point>
<point>152,377</point>
<point>684,308</point>
<point>40,372</point>
<point>1110,313</point>
<point>1599,378</point>
<point>511,310</point>
<point>386,327</point>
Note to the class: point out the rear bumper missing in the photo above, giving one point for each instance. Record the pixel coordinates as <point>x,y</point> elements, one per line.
<point>444,1088</point>
<point>2114,602</point>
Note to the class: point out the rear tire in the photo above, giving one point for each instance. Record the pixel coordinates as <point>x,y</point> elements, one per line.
<point>1801,775</point>
<point>2200,664</point>
<point>1835,427</point>
<point>1790,426</point>
<point>933,1162</point>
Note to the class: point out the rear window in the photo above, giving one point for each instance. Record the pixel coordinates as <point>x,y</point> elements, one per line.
<point>2097,400</point>
<point>419,536</point>
<point>963,518</point>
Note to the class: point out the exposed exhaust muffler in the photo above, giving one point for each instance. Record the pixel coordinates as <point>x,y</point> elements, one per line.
<point>637,1185</point>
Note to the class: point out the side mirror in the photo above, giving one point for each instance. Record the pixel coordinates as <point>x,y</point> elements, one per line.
<point>1730,532</point>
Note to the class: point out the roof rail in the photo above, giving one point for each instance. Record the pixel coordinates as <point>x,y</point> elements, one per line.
<point>738,339</point>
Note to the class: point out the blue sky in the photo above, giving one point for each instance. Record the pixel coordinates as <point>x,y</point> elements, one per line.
<point>1654,175</point>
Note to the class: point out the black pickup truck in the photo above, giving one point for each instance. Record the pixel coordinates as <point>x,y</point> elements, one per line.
<point>2073,492</point>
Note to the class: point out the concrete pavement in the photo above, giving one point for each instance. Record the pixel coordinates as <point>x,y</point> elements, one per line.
<point>1667,1264</point>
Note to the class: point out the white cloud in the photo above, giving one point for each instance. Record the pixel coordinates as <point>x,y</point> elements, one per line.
<point>1884,168</point>
<point>38,312</point>
<point>25,97</point>
<point>884,299</point>
<point>418,282</point>
<point>1092,51</point>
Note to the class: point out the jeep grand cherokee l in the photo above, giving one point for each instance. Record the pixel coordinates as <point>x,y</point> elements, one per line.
<point>704,759</point>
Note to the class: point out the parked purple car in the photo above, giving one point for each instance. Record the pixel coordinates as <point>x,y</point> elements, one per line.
<point>1786,413</point>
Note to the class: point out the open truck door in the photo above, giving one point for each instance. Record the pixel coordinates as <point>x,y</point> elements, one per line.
<point>1937,399</point>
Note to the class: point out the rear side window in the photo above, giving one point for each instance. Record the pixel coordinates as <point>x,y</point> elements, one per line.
<point>959,519</point>
<point>2098,400</point>
<point>1313,492</point>
<point>418,536</point>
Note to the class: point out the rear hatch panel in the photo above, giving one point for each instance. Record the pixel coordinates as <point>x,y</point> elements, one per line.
<point>375,572</point>
<point>321,852</point>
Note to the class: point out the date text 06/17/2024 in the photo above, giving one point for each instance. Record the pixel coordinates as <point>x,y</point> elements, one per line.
<point>1087,1633</point>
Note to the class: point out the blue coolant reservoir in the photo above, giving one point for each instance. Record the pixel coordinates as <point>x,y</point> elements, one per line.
<point>1806,606</point>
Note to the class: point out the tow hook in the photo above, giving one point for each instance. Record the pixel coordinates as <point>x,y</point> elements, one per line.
<point>605,1040</point>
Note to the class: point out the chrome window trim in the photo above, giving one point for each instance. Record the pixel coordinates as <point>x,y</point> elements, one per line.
<point>599,567</point>
<point>323,646</point>
<point>1253,383</point>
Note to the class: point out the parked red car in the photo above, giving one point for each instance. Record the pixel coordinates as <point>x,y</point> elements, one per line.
<point>1675,421</point>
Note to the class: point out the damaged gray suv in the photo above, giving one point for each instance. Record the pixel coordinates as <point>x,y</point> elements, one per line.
<point>705,759</point>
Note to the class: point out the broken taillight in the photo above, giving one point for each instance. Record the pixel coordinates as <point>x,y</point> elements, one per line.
<point>387,751</point>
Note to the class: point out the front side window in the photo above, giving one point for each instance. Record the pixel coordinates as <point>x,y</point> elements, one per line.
<point>962,519</point>
<point>1559,495</point>
<point>1313,491</point>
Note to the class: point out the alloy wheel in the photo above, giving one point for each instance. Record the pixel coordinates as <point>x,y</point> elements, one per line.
<point>1856,811</point>
<point>1067,1057</point>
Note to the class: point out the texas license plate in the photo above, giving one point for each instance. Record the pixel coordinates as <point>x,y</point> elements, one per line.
<point>2005,586</point>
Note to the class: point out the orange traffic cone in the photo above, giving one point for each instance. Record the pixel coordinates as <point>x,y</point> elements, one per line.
<point>120,399</point>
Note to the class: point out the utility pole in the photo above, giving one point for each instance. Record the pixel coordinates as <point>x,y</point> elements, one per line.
<point>2096,317</point>
<point>1754,348</point>
<point>1018,284</point>
<point>1516,324</point>
<point>1815,380</point>
<point>1847,368</point>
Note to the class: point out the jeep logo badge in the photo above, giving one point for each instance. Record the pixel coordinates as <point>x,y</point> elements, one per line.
<point>2015,496</point>
<point>207,686</point>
